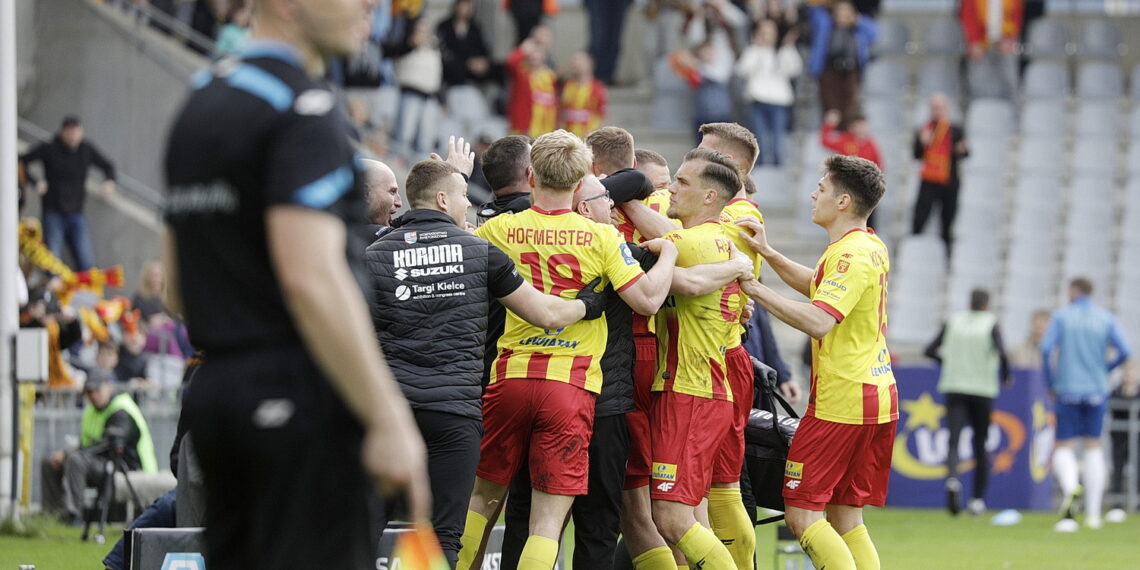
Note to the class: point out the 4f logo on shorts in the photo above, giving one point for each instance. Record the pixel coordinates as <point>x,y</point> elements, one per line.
<point>665,486</point>
<point>792,484</point>
<point>794,470</point>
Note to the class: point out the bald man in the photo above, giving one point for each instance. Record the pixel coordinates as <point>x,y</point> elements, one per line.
<point>940,144</point>
<point>381,197</point>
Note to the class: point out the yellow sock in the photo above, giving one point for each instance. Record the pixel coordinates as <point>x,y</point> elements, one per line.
<point>540,553</point>
<point>730,522</point>
<point>660,558</point>
<point>471,540</point>
<point>826,548</point>
<point>703,550</point>
<point>862,549</point>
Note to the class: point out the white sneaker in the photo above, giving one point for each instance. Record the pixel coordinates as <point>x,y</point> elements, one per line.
<point>1116,515</point>
<point>1094,523</point>
<point>1066,525</point>
<point>977,507</point>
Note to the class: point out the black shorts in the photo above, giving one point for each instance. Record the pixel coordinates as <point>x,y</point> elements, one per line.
<point>280,454</point>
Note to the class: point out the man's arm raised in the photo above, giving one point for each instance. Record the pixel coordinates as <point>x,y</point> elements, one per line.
<point>651,224</point>
<point>797,276</point>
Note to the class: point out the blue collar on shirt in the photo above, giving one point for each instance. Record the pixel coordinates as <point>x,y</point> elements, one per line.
<point>274,49</point>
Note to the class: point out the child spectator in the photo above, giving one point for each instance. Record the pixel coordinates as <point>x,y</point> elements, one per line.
<point>769,72</point>
<point>583,97</point>
<point>532,106</point>
<point>855,141</point>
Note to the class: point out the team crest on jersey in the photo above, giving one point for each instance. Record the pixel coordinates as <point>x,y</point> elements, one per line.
<point>842,266</point>
<point>626,256</point>
<point>411,237</point>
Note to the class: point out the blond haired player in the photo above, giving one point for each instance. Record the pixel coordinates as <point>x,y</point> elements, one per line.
<point>541,397</point>
<point>840,459</point>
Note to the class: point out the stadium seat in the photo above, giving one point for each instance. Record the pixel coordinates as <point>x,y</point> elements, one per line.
<point>1098,119</point>
<point>985,81</point>
<point>1092,260</point>
<point>1042,155</point>
<point>1014,318</point>
<point>938,76</point>
<point>990,117</point>
<point>1046,80</point>
<point>1099,80</point>
<point>1095,155</point>
<point>1038,187</point>
<point>1049,38</point>
<point>987,153</point>
<point>386,106</point>
<point>1136,108</point>
<point>1100,40</point>
<point>918,251</point>
<point>1047,118</point>
<point>942,36</point>
<point>1092,190</point>
<point>1027,250</point>
<point>982,187</point>
<point>1134,158</point>
<point>886,78</point>
<point>467,104</point>
<point>980,219</point>
<point>893,38</point>
<point>885,115</point>
<point>772,187</point>
<point>672,101</point>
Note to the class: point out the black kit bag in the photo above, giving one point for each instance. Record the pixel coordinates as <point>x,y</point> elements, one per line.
<point>767,438</point>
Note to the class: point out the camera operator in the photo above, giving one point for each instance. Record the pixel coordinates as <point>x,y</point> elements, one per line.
<point>113,428</point>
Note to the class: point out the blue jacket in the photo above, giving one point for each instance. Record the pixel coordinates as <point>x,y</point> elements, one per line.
<point>1082,332</point>
<point>821,24</point>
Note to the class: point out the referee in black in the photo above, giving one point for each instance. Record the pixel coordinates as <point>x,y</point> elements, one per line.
<point>295,415</point>
<point>431,284</point>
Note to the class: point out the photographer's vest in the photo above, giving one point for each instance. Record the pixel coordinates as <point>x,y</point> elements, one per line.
<point>969,358</point>
<point>95,420</point>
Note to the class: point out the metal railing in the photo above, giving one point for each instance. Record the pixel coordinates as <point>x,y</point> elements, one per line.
<point>147,15</point>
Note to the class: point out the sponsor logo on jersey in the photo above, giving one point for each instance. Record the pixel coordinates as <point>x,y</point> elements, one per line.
<point>794,470</point>
<point>430,291</point>
<point>665,471</point>
<point>314,102</point>
<point>842,266</point>
<point>443,254</point>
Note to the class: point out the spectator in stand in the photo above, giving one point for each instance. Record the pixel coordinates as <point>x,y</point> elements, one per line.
<point>840,49</point>
<point>940,144</point>
<point>1127,391</point>
<point>583,97</point>
<point>419,73</point>
<point>607,21</point>
<point>769,69</point>
<point>466,58</point>
<point>972,358</point>
<point>785,15</point>
<point>712,31</point>
<point>235,32</point>
<point>855,141</point>
<point>149,297</point>
<point>112,427</point>
<point>66,161</point>
<point>992,29</point>
<point>532,106</point>
<point>528,15</point>
<point>1027,354</point>
<point>1081,333</point>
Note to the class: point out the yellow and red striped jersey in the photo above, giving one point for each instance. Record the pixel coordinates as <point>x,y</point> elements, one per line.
<point>851,377</point>
<point>741,208</point>
<point>693,333</point>
<point>558,252</point>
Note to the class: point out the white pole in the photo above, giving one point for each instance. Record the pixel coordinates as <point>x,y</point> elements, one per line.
<point>8,259</point>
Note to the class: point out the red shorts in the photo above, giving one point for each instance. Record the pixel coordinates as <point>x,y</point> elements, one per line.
<point>640,437</point>
<point>686,432</point>
<point>838,464</point>
<point>730,455</point>
<point>550,421</point>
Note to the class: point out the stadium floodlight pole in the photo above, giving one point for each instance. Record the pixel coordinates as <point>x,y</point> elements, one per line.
<point>8,260</point>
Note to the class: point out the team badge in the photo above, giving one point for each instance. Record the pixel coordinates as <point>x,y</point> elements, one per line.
<point>842,266</point>
<point>411,237</point>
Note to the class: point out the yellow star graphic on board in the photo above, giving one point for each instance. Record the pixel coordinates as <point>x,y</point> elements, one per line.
<point>923,412</point>
<point>1039,416</point>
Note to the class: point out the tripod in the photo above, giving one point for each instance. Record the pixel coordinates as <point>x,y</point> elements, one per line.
<point>107,496</point>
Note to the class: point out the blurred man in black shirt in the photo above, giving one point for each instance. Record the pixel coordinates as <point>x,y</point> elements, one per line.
<point>295,410</point>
